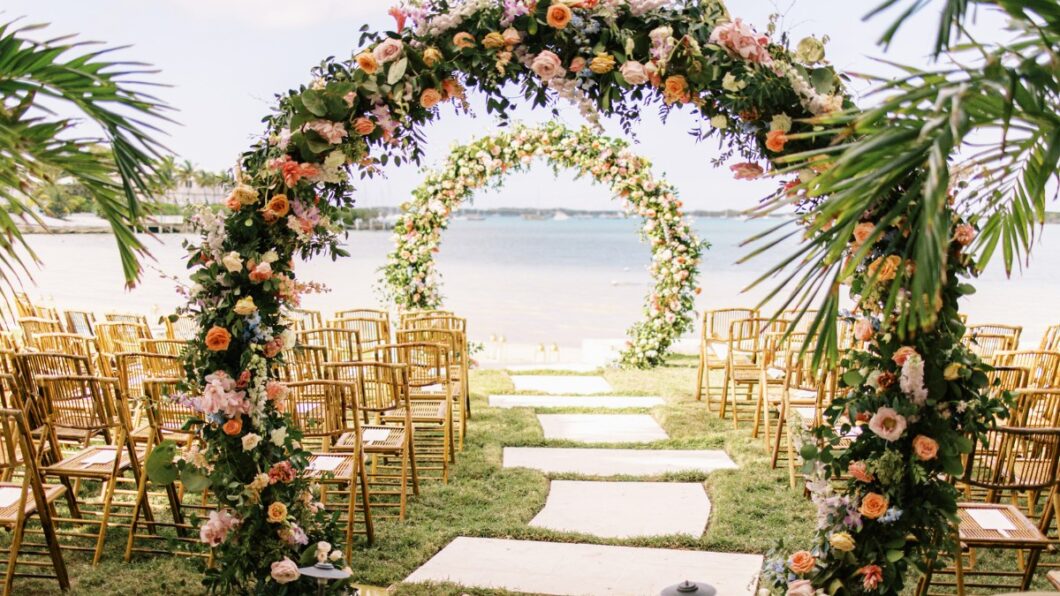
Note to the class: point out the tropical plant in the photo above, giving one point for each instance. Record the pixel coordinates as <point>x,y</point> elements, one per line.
<point>39,80</point>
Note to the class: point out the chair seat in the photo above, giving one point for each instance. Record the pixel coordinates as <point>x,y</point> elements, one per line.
<point>143,433</point>
<point>340,466</point>
<point>70,435</point>
<point>81,464</point>
<point>422,411</point>
<point>9,514</point>
<point>1025,532</point>
<point>393,443</point>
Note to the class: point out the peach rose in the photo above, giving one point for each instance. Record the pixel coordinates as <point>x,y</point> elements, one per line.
<point>493,40</point>
<point>217,339</point>
<point>285,571</point>
<point>432,56</point>
<point>390,49</point>
<point>634,72</point>
<point>802,562</point>
<point>863,329</point>
<point>862,231</point>
<point>902,354</point>
<point>261,272</point>
<point>512,37</point>
<point>464,40</point>
<point>885,268</point>
<point>873,506</point>
<point>279,205</point>
<point>577,64</point>
<point>430,98</point>
<point>887,423</point>
<point>675,89</point>
<point>233,203</point>
<point>925,447</point>
<point>964,234</point>
<point>363,126</point>
<point>451,88</point>
<point>367,62</point>
<point>233,427</point>
<point>558,15</point>
<point>860,471</point>
<point>246,195</point>
<point>800,587</point>
<point>775,140</point>
<point>547,65</point>
<point>277,512</point>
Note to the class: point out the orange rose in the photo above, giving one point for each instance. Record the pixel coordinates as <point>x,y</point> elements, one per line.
<point>862,231</point>
<point>217,339</point>
<point>802,562</point>
<point>464,40</point>
<point>675,89</point>
<point>558,15</point>
<point>775,140</point>
<point>925,448</point>
<point>233,427</point>
<point>451,88</point>
<point>279,205</point>
<point>902,354</point>
<point>873,505</point>
<point>277,512</point>
<point>430,98</point>
<point>363,126</point>
<point>885,268</point>
<point>367,62</point>
<point>860,471</point>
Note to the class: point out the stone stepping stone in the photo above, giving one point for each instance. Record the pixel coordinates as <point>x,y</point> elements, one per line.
<point>561,384</point>
<point>577,569</point>
<point>616,462</point>
<point>602,428</point>
<point>574,401</point>
<point>625,509</point>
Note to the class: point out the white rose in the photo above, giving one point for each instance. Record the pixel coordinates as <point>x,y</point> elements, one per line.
<point>781,122</point>
<point>232,262</point>
<point>719,121</point>
<point>270,257</point>
<point>251,441</point>
<point>729,83</point>
<point>278,436</point>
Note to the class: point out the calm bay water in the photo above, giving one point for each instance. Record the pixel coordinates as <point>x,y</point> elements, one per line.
<point>530,281</point>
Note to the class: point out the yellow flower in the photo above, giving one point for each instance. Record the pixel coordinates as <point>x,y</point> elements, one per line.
<point>493,40</point>
<point>277,512</point>
<point>602,64</point>
<point>432,56</point>
<point>245,306</point>
<point>842,541</point>
<point>952,371</point>
<point>246,195</point>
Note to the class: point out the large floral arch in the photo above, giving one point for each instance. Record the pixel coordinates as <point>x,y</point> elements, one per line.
<point>412,281</point>
<point>770,105</point>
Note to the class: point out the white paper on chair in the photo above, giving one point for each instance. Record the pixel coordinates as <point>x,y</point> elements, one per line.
<point>991,519</point>
<point>372,435</point>
<point>9,495</point>
<point>436,388</point>
<point>99,457</point>
<point>326,464</point>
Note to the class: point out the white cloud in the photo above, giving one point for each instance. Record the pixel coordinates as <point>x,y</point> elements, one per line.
<point>286,14</point>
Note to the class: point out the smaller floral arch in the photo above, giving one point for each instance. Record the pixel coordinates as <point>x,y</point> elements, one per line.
<point>411,280</point>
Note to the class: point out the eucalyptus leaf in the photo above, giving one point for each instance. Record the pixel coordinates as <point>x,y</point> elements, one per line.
<point>397,70</point>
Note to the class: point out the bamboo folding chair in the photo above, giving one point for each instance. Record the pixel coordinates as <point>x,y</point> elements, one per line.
<point>452,341</point>
<point>31,367</point>
<point>184,328</point>
<point>302,319</point>
<point>461,363</point>
<point>364,313</point>
<point>305,363</point>
<point>986,345</point>
<point>64,343</point>
<point>382,392</point>
<point>772,371</point>
<point>24,500</point>
<point>32,326</point>
<point>166,415</point>
<point>742,368</point>
<point>317,409</point>
<point>167,347</point>
<point>343,345</point>
<point>714,344</point>
<point>120,336</point>
<point>1025,459</point>
<point>133,371</point>
<point>80,322</point>
<point>803,399</point>
<point>1012,332</point>
<point>431,392</point>
<point>1042,367</point>
<point>1050,339</point>
<point>371,334</point>
<point>86,403</point>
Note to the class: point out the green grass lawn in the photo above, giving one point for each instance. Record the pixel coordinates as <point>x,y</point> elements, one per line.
<point>751,507</point>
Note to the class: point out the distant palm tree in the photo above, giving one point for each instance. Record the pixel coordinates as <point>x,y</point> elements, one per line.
<point>39,80</point>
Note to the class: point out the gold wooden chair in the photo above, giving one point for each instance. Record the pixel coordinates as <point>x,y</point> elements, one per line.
<point>431,391</point>
<point>461,361</point>
<point>1025,459</point>
<point>81,322</point>
<point>371,334</point>
<point>382,392</point>
<point>305,363</point>
<point>745,350</point>
<point>185,328</point>
<point>1050,339</point>
<point>1012,332</point>
<point>167,347</point>
<point>86,403</point>
<point>120,336</point>
<point>24,500</point>
<point>772,372</point>
<point>452,340</point>
<point>1042,367</point>
<point>986,345</point>
<point>64,343</point>
<point>803,399</point>
<point>303,319</point>
<point>714,344</point>
<point>343,345</point>
<point>32,326</point>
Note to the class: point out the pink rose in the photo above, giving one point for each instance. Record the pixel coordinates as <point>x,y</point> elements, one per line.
<point>902,354</point>
<point>740,39</point>
<point>634,73</point>
<point>389,50</point>
<point>925,447</point>
<point>863,329</point>
<point>964,234</point>
<point>746,171</point>
<point>547,65</point>
<point>860,471</point>
<point>577,64</point>
<point>285,571</point>
<point>511,37</point>
<point>887,424</point>
<point>260,273</point>
<point>333,132</point>
<point>800,587</point>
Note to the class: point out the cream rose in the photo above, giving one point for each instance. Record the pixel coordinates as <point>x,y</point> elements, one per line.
<point>284,571</point>
<point>232,262</point>
<point>634,73</point>
<point>250,441</point>
<point>245,306</point>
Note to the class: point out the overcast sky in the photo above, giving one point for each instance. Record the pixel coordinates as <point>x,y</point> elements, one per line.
<point>225,59</point>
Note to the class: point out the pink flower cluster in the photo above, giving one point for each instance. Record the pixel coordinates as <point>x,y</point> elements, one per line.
<point>216,528</point>
<point>221,396</point>
<point>740,39</point>
<point>304,219</point>
<point>281,472</point>
<point>332,132</point>
<point>292,171</point>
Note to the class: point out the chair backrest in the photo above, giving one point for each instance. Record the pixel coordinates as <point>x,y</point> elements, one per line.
<point>32,326</point>
<point>134,368</point>
<point>127,317</point>
<point>364,313</point>
<point>747,336</point>
<point>302,319</point>
<point>1050,339</point>
<point>167,347</point>
<point>1006,378</point>
<point>1042,367</point>
<point>24,306</point>
<point>1013,332</point>
<point>316,406</point>
<point>415,313</point>
<point>452,340</point>
<point>371,332</point>
<point>986,345</point>
<point>427,363</point>
<point>1014,459</point>
<point>79,402</point>
<point>717,323</point>
<point>184,327</point>
<point>168,409</point>
<point>305,362</point>
<point>800,320</point>
<point>381,387</point>
<point>80,322</point>
<point>120,336</point>
<point>343,344</point>
<point>1036,408</point>
<point>64,343</point>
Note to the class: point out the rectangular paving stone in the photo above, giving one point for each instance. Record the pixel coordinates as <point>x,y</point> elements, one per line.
<point>574,401</point>
<point>602,428</point>
<point>625,509</point>
<point>581,367</point>
<point>561,384</point>
<point>585,569</point>
<point>615,462</point>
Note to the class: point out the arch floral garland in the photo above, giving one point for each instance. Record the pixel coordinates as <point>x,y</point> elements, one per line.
<point>765,102</point>
<point>410,275</point>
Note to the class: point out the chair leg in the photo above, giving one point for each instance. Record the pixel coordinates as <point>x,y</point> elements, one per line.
<point>369,529</point>
<point>108,498</point>
<point>699,375</point>
<point>775,455</point>
<point>724,393</point>
<point>404,484</point>
<point>12,557</point>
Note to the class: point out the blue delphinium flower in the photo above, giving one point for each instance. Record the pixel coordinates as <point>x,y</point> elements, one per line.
<point>893,514</point>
